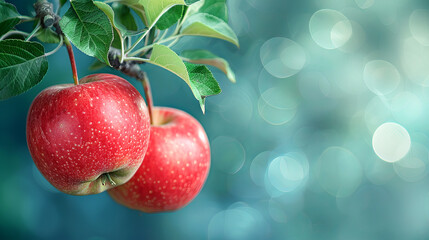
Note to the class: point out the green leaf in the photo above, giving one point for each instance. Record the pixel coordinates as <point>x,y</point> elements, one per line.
<point>9,17</point>
<point>216,8</point>
<point>168,59</point>
<point>137,7</point>
<point>203,82</point>
<point>22,65</point>
<point>192,9</point>
<point>117,35</point>
<point>120,31</point>
<point>151,10</point>
<point>46,35</point>
<point>203,24</point>
<point>199,80</point>
<point>88,28</point>
<point>124,17</point>
<point>117,40</point>
<point>208,58</point>
<point>169,18</point>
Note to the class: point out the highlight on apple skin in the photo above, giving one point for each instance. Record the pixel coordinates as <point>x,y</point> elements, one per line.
<point>175,167</point>
<point>90,137</point>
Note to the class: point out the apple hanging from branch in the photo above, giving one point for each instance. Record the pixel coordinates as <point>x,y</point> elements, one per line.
<point>176,164</point>
<point>175,167</point>
<point>89,137</point>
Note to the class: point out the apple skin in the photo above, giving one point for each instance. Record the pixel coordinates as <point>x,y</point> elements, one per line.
<point>175,167</point>
<point>77,134</point>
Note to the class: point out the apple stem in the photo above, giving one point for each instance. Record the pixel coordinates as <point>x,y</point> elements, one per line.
<point>148,92</point>
<point>47,19</point>
<point>72,60</point>
<point>110,179</point>
<point>103,179</point>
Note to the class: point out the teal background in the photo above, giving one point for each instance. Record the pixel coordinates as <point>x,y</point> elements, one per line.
<point>292,157</point>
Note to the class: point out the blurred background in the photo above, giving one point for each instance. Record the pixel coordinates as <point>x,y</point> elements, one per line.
<point>324,135</point>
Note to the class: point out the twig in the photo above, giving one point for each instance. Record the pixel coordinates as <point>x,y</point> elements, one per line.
<point>34,32</point>
<point>57,48</point>
<point>10,33</point>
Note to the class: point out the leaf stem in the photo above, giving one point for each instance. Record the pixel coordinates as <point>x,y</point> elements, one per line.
<point>72,60</point>
<point>122,51</point>
<point>164,34</point>
<point>148,30</point>
<point>137,42</point>
<point>137,52</point>
<point>157,33</point>
<point>137,59</point>
<point>12,33</point>
<point>57,48</point>
<point>173,42</point>
<point>148,93</point>
<point>146,40</point>
<point>177,29</point>
<point>34,32</point>
<point>26,18</point>
<point>129,39</point>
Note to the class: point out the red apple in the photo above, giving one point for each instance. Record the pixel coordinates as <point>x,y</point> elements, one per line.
<point>89,137</point>
<point>175,167</point>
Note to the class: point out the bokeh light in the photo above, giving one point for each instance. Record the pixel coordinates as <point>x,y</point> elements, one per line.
<point>282,57</point>
<point>277,106</point>
<point>286,173</point>
<point>419,26</point>
<point>381,77</point>
<point>330,29</point>
<point>357,39</point>
<point>259,166</point>
<point>391,142</point>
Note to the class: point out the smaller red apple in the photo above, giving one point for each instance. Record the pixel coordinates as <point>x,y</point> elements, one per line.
<point>88,138</point>
<point>175,167</point>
